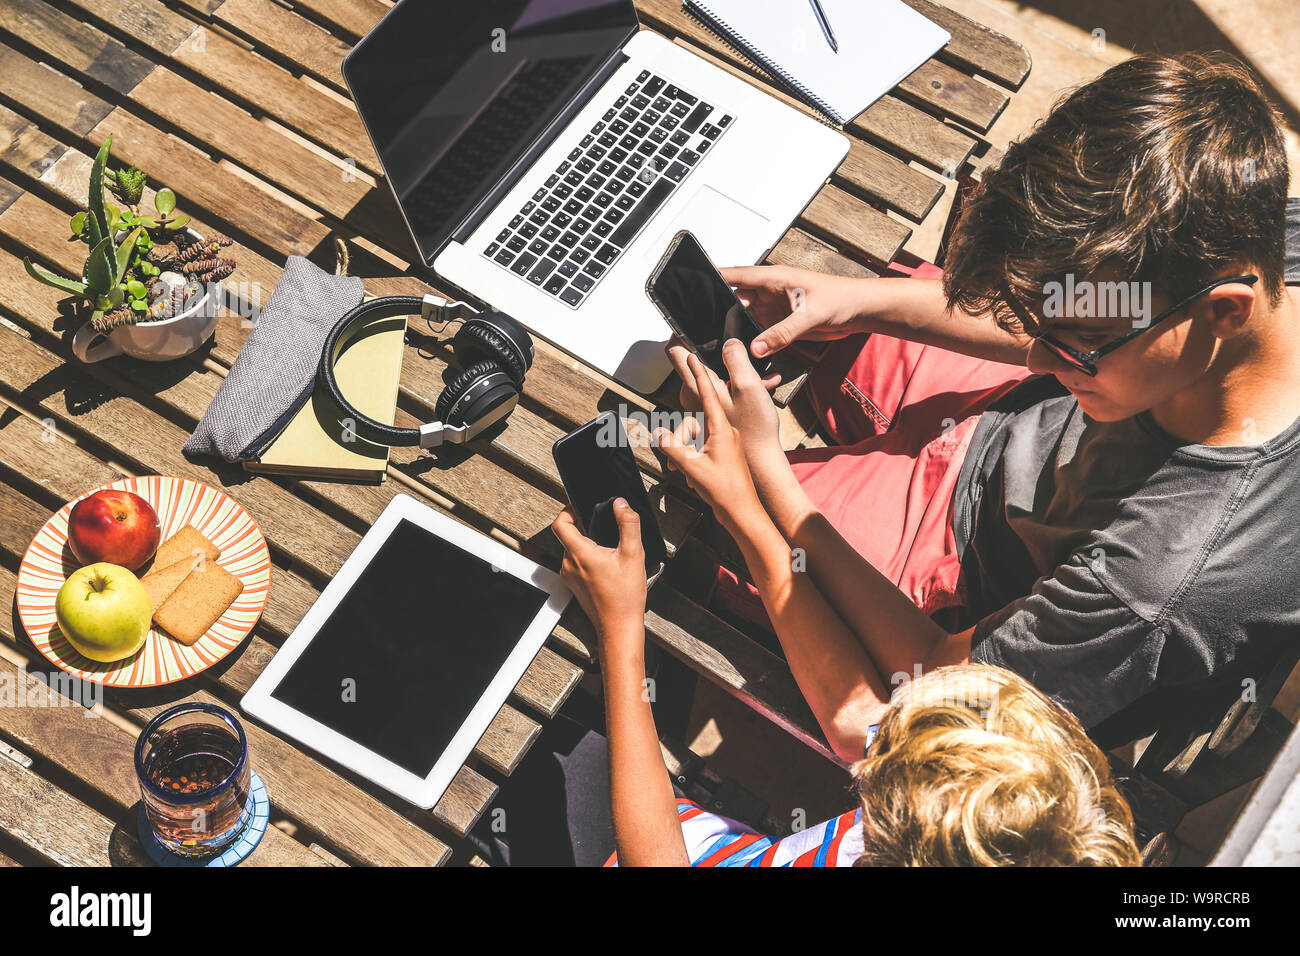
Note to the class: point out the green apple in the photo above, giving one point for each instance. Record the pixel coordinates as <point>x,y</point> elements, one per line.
<point>104,612</point>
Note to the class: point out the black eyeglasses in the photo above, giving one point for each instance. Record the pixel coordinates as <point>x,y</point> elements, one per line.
<point>1086,362</point>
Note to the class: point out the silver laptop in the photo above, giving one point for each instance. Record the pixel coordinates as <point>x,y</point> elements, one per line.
<point>545,152</point>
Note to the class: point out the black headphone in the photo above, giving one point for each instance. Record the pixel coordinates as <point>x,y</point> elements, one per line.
<point>494,352</point>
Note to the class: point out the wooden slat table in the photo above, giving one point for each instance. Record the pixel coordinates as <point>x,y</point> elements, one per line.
<point>239,106</point>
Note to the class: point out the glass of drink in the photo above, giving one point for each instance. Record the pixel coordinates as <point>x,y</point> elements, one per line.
<point>192,763</point>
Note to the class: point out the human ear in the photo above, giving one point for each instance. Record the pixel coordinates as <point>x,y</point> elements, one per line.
<point>1228,309</point>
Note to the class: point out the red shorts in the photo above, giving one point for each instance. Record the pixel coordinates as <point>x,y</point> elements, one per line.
<point>902,415</point>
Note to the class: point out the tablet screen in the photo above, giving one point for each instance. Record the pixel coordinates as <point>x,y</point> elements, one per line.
<point>404,657</point>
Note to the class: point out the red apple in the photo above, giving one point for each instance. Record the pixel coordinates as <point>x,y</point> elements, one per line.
<point>115,526</point>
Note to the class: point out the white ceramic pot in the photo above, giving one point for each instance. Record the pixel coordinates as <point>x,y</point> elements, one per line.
<point>153,341</point>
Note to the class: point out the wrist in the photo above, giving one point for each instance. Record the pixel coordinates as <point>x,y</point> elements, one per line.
<point>761,445</point>
<point>861,305</point>
<point>622,662</point>
<point>899,305</point>
<point>743,518</point>
<point>739,505</point>
<point>774,479</point>
<point>767,461</point>
<point>622,631</point>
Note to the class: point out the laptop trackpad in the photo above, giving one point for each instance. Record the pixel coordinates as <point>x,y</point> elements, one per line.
<point>724,227</point>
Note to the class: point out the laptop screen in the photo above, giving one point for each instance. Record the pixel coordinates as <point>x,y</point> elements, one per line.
<point>453,93</point>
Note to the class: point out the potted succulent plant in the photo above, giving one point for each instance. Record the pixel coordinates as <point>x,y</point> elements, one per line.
<point>149,281</point>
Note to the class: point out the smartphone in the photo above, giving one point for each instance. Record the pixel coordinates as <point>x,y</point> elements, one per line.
<point>699,306</point>
<point>596,465</point>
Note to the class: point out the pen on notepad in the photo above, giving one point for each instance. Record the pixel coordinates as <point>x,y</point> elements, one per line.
<point>824,24</point>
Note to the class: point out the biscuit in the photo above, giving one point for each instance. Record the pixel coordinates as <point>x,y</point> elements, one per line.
<point>185,545</point>
<point>159,583</point>
<point>198,602</point>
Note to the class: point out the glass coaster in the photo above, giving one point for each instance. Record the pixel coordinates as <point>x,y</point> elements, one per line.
<point>231,855</point>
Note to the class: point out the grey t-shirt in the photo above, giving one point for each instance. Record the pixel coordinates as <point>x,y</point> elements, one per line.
<point>1106,560</point>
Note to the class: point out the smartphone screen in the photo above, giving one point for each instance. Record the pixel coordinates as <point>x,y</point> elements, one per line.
<point>700,306</point>
<point>596,465</point>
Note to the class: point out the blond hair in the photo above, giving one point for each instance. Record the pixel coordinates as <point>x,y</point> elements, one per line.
<point>972,766</point>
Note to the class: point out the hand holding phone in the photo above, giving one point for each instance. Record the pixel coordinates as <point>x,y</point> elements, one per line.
<point>699,305</point>
<point>596,465</point>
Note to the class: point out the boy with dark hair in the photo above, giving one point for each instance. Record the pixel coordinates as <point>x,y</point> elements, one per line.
<point>1080,449</point>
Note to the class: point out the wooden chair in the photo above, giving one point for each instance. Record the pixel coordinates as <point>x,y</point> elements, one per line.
<point>1216,740</point>
<point>723,795</point>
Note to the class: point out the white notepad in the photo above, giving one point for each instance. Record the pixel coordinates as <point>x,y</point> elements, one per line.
<point>880,43</point>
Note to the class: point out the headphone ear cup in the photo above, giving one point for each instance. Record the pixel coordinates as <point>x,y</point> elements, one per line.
<point>461,383</point>
<point>495,336</point>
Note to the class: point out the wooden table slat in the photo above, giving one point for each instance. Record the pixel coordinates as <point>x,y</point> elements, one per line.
<point>9,192</point>
<point>834,212</point>
<point>308,46</point>
<point>71,41</point>
<point>914,135</point>
<point>976,47</point>
<point>465,801</point>
<point>351,17</point>
<point>56,825</point>
<point>240,74</point>
<point>340,190</point>
<point>953,93</point>
<point>197,181</point>
<point>806,252</point>
<point>507,740</point>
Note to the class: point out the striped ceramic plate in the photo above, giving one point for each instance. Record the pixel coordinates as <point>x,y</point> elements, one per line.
<point>178,501</point>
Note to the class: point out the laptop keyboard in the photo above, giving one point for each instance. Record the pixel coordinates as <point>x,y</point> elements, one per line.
<point>575,227</point>
<point>509,121</point>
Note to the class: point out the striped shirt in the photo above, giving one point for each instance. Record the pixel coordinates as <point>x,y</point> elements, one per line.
<point>713,840</point>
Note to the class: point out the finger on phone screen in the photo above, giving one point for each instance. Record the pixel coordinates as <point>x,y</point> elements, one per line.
<point>739,368</point>
<point>708,393</point>
<point>566,529</point>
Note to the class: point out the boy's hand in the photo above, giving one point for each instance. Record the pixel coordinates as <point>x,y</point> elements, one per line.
<point>688,396</point>
<point>609,583</point>
<point>717,470</point>
<point>745,399</point>
<point>797,304</point>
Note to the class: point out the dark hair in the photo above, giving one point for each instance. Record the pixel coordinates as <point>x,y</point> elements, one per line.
<point>1170,167</point>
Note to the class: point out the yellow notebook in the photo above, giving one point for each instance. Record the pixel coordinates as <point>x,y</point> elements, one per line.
<point>315,444</point>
